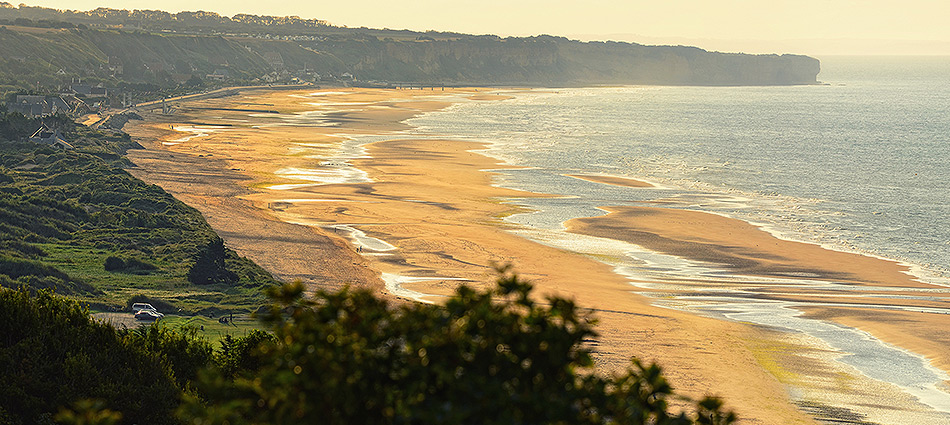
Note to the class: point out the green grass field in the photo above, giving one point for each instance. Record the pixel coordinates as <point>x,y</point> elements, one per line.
<point>210,328</point>
<point>207,328</point>
<point>167,283</point>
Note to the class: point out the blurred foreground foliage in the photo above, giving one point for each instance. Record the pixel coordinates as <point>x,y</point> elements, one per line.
<point>490,357</point>
<point>53,355</point>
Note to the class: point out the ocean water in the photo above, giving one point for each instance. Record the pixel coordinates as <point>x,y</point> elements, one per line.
<point>859,163</point>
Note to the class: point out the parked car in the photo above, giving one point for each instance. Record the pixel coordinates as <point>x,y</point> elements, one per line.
<point>148,315</point>
<point>145,311</point>
<point>137,307</point>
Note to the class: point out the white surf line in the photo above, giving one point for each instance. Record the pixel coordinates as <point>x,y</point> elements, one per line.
<point>291,186</point>
<point>322,93</point>
<point>883,362</point>
<point>644,265</point>
<point>910,372</point>
<point>196,131</point>
<point>330,174</point>
<point>916,272</point>
<point>653,185</point>
<point>783,222</point>
<point>307,200</point>
<point>770,294</point>
<point>362,240</point>
<point>392,281</point>
<point>786,214</point>
<point>395,281</point>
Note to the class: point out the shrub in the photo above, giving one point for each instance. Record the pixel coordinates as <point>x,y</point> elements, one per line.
<point>17,267</point>
<point>210,265</point>
<point>53,355</point>
<point>22,248</point>
<point>181,350</point>
<point>114,263</point>
<point>239,355</point>
<point>131,265</point>
<point>489,357</point>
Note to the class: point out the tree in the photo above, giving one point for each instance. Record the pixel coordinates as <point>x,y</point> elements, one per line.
<point>494,356</point>
<point>243,354</point>
<point>88,412</point>
<point>181,350</point>
<point>210,264</point>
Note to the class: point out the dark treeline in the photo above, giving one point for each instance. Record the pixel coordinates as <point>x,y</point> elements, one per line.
<point>160,20</point>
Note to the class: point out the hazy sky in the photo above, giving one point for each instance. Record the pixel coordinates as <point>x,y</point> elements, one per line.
<point>800,26</point>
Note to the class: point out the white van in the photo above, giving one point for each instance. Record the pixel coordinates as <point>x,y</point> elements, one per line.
<point>137,307</point>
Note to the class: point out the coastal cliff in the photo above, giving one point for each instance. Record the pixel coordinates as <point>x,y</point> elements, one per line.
<point>549,60</point>
<point>49,47</point>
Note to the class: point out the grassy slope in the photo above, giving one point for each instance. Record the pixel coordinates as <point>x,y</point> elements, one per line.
<point>63,213</point>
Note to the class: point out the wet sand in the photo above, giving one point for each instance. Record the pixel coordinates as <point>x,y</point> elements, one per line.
<point>281,190</point>
<point>742,247</point>
<point>922,333</point>
<point>871,294</point>
<point>611,180</point>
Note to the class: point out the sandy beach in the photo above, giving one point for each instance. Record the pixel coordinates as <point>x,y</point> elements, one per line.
<point>413,218</point>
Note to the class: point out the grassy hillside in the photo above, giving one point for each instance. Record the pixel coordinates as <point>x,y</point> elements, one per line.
<point>76,222</point>
<point>28,58</point>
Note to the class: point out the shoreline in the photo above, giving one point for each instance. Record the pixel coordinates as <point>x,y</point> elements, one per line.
<point>712,238</point>
<point>872,296</point>
<point>440,232</point>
